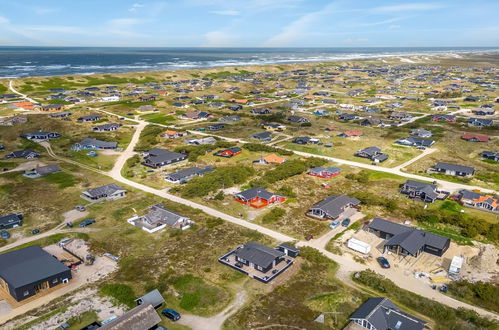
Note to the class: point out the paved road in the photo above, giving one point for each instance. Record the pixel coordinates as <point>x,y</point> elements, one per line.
<point>24,96</point>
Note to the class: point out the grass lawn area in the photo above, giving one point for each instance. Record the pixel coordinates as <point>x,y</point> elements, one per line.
<point>159,118</point>
<point>101,161</point>
<point>82,320</point>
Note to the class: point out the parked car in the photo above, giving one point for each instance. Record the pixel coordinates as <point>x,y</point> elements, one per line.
<point>112,257</point>
<point>80,208</point>
<point>87,222</point>
<point>383,262</point>
<point>35,231</point>
<point>4,234</point>
<point>346,222</point>
<point>334,224</point>
<point>69,224</point>
<point>65,326</point>
<point>308,237</point>
<point>171,314</point>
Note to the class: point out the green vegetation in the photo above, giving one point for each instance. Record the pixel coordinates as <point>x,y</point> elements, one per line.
<point>82,320</point>
<point>483,294</point>
<point>445,317</point>
<point>222,177</point>
<point>3,88</point>
<point>256,147</point>
<point>62,179</point>
<point>158,118</point>
<point>274,215</point>
<point>121,293</point>
<point>196,294</point>
<point>201,150</point>
<point>225,74</point>
<point>148,138</point>
<point>449,214</point>
<point>369,198</point>
<point>287,170</point>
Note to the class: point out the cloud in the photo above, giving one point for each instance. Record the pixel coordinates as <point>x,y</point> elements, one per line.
<point>394,26</point>
<point>407,7</point>
<point>297,28</point>
<point>358,40</point>
<point>57,29</point>
<point>4,20</point>
<point>218,39</point>
<point>226,12</point>
<point>135,6</point>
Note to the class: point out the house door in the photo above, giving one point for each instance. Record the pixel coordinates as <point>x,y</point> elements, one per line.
<point>41,286</point>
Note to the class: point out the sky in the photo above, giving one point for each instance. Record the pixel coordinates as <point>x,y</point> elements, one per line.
<point>249,23</point>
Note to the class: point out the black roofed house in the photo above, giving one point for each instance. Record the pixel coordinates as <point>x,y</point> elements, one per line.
<point>40,136</point>
<point>106,127</point>
<point>405,240</point>
<point>400,116</point>
<point>371,121</point>
<point>305,140</point>
<point>12,220</point>
<point>258,197</point>
<point>484,111</point>
<point>228,119</point>
<point>263,136</point>
<point>260,111</point>
<point>334,207</point>
<point>229,152</point>
<point>26,153</point>
<point>107,192</point>
<point>423,191</point>
<point>158,218</point>
<point>143,316</point>
<point>414,141</point>
<point>298,119</point>
<point>453,169</point>
<point>89,143</point>
<point>29,271</point>
<point>182,176</point>
<point>259,261</point>
<point>480,122</point>
<point>157,158</point>
<point>490,155</point>
<point>154,298</point>
<point>347,116</point>
<point>215,127</point>
<point>89,118</point>
<point>381,314</point>
<point>60,114</point>
<point>41,171</point>
<point>372,153</point>
<point>53,107</point>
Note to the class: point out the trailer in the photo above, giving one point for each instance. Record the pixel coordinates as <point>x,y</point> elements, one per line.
<point>456,264</point>
<point>358,246</point>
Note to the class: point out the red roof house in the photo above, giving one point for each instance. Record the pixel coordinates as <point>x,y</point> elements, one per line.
<point>475,138</point>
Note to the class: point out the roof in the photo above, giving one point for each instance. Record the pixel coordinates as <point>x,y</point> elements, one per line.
<point>273,158</point>
<point>480,198</point>
<point>454,167</point>
<point>262,135</point>
<point>98,143</point>
<point>479,138</point>
<point>157,155</point>
<point>48,169</point>
<point>107,189</point>
<point>371,151</point>
<point>154,298</point>
<point>138,318</point>
<point>258,254</point>
<point>158,213</point>
<point>333,205</point>
<point>188,172</point>
<point>353,133</point>
<point>409,238</point>
<point>28,265</point>
<point>255,192</point>
<point>320,169</point>
<point>383,314</point>
<point>10,218</point>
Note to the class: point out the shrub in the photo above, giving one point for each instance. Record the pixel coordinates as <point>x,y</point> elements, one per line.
<point>274,215</point>
<point>256,147</point>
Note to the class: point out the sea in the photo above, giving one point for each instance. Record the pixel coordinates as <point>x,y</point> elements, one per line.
<point>18,62</point>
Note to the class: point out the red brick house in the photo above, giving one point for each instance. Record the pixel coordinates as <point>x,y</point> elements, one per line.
<point>258,197</point>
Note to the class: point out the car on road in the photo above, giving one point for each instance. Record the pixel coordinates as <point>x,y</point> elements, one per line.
<point>334,224</point>
<point>383,262</point>
<point>171,314</point>
<point>80,208</point>
<point>4,234</point>
<point>87,222</point>
<point>35,231</point>
<point>346,222</point>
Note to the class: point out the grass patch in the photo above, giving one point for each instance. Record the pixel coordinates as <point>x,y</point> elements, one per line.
<point>121,293</point>
<point>196,294</point>
<point>62,179</point>
<point>82,320</point>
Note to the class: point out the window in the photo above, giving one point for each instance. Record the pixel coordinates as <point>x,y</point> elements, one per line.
<point>54,281</point>
<point>25,293</point>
